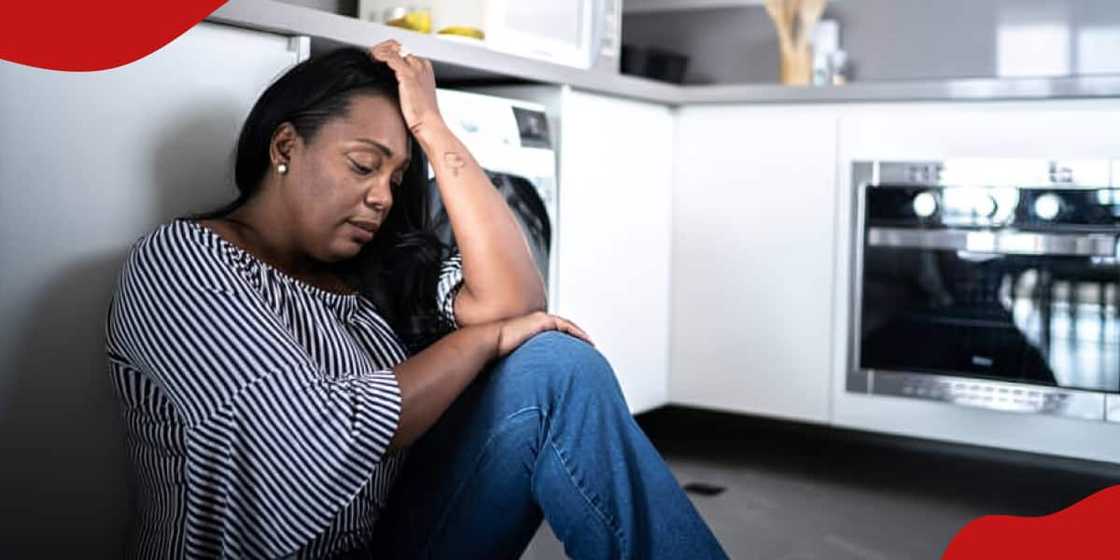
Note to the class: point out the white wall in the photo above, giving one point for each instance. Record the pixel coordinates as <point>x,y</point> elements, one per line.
<point>90,162</point>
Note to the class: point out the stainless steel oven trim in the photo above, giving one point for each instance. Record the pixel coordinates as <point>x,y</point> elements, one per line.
<point>1065,174</point>
<point>1007,243</point>
<point>992,395</point>
<point>1112,408</point>
<point>864,173</point>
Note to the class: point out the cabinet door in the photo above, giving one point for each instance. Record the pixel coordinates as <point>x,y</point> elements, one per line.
<point>753,223</point>
<point>614,235</point>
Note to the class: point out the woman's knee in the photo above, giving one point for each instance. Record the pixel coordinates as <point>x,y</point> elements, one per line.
<point>562,362</point>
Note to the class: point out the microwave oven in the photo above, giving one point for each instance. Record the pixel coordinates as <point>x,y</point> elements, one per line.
<point>585,34</point>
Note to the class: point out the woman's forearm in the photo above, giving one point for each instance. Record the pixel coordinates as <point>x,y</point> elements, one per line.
<point>433,378</point>
<point>500,277</point>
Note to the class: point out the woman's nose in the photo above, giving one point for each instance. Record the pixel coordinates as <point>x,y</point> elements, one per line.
<point>380,194</point>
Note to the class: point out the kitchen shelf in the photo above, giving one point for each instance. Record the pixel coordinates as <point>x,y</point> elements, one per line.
<point>650,6</point>
<point>457,63</point>
<point>654,6</point>
<point>454,60</point>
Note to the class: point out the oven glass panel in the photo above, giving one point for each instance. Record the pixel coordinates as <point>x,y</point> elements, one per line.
<point>1044,319</point>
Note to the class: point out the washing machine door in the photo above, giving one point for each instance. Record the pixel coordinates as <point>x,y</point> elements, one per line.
<point>528,208</point>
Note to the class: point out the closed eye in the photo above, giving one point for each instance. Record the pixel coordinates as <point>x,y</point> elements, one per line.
<point>361,170</point>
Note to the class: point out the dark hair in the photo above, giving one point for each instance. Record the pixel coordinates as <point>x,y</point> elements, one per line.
<point>399,268</point>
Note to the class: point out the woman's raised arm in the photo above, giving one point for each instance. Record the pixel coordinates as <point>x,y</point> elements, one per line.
<point>500,278</point>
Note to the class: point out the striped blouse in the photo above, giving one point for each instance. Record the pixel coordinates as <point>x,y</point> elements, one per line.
<point>258,408</point>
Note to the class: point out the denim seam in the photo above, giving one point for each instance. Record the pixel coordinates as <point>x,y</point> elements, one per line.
<point>482,454</point>
<point>607,519</point>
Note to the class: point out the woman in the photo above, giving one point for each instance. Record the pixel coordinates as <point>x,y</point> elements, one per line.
<point>278,359</point>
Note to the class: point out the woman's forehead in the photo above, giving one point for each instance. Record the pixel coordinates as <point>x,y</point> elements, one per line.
<point>375,119</point>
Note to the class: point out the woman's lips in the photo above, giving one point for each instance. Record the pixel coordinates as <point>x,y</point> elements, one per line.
<point>364,230</point>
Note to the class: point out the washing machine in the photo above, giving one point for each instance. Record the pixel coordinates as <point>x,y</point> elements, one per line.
<point>510,139</point>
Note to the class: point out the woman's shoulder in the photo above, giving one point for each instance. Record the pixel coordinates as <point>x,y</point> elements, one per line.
<point>173,247</point>
<point>175,229</point>
<point>169,237</point>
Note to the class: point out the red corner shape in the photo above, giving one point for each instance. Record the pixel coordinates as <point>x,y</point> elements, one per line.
<point>92,35</point>
<point>1083,530</point>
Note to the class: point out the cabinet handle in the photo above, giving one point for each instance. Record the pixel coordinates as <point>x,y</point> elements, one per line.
<point>1010,243</point>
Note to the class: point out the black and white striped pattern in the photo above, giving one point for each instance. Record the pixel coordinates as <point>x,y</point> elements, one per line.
<point>258,408</point>
<point>450,280</point>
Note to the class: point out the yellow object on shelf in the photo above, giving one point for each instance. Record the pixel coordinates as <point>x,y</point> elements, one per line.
<point>419,20</point>
<point>462,31</point>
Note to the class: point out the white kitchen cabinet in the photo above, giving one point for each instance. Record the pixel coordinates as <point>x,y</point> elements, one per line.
<point>753,219</point>
<point>616,181</point>
<point>615,195</point>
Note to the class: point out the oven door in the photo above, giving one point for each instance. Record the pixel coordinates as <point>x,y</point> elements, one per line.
<point>1002,319</point>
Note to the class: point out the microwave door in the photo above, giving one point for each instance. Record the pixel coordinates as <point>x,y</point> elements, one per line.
<point>558,32</point>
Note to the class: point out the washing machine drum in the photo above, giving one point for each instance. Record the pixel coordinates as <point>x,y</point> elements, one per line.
<point>528,208</point>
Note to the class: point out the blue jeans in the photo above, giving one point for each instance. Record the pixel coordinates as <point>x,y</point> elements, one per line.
<point>544,433</point>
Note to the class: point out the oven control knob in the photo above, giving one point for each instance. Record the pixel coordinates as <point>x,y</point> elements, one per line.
<point>1047,206</point>
<point>925,204</point>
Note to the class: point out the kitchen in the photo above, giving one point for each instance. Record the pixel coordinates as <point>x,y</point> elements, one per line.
<point>723,227</point>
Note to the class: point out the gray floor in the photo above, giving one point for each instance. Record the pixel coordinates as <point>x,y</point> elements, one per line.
<point>798,492</point>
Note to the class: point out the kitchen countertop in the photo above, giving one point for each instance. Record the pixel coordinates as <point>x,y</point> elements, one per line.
<point>459,62</point>
<point>977,89</point>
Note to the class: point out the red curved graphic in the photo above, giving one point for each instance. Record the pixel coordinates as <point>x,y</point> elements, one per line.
<point>86,36</point>
<point>1083,530</point>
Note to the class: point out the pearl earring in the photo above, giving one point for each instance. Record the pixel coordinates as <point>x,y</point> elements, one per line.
<point>282,168</point>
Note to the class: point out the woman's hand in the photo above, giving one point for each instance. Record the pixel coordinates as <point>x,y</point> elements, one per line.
<point>417,82</point>
<point>513,332</point>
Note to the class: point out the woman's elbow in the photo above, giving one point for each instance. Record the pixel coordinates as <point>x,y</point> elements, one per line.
<point>529,298</point>
<point>471,310</point>
<point>538,303</point>
<point>536,299</point>
<point>520,306</point>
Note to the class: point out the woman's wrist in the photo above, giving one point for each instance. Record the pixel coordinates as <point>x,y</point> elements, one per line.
<point>487,337</point>
<point>493,336</point>
<point>430,131</point>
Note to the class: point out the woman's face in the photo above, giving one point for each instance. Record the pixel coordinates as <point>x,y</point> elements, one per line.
<point>345,176</point>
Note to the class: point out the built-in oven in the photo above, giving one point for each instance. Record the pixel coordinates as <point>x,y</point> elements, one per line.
<point>988,283</point>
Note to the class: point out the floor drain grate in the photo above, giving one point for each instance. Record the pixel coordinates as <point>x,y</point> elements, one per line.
<point>704,489</point>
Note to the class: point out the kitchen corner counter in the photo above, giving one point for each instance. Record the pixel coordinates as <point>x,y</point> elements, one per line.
<point>456,61</point>
<point>977,89</point>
